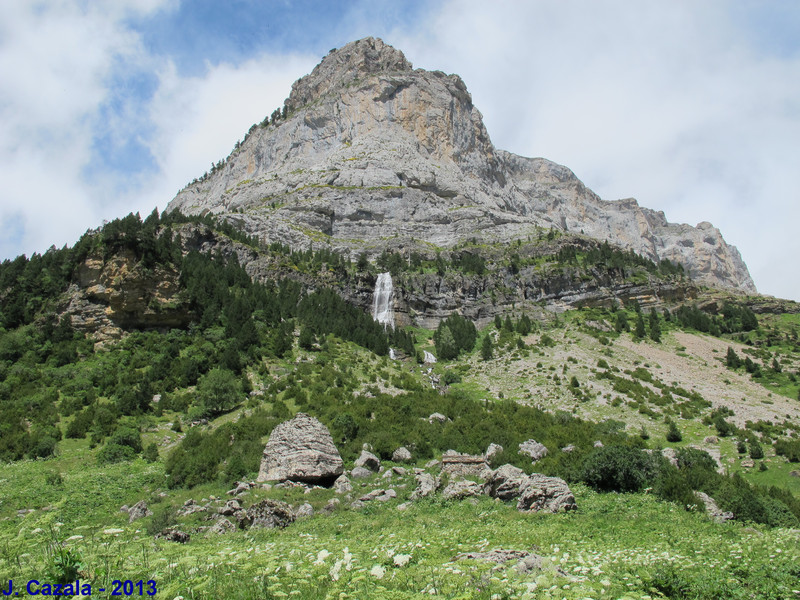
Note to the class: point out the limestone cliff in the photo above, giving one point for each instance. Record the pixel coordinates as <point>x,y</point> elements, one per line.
<point>374,154</point>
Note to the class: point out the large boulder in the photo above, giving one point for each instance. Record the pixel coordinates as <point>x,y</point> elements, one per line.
<point>505,483</point>
<point>463,488</point>
<point>402,454</point>
<point>542,493</point>
<point>369,461</point>
<point>301,449</point>
<point>458,465</point>
<point>426,485</point>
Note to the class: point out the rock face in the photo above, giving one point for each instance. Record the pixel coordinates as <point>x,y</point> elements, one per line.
<point>301,449</point>
<point>373,150</point>
<point>115,294</point>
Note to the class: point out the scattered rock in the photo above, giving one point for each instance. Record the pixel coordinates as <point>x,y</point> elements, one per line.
<point>191,507</point>
<point>301,449</point>
<point>570,448</point>
<point>505,483</point>
<point>368,460</point>
<point>241,487</point>
<point>492,451</point>
<point>221,527</point>
<point>748,462</point>
<point>402,454</point>
<point>670,455</point>
<point>432,464</point>
<point>331,505</point>
<point>267,514</point>
<point>598,444</point>
<point>426,485</point>
<point>463,488</point>
<point>542,493</point>
<point>712,509</point>
<point>360,473</point>
<point>464,465</point>
<point>138,511</point>
<point>304,511</point>
<point>711,439</point>
<point>231,508</point>
<point>404,506</point>
<point>173,535</point>
<point>437,417</point>
<point>533,449</point>
<point>400,471</point>
<point>794,473</point>
<point>342,485</point>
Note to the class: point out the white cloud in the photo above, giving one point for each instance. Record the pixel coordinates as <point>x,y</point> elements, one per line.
<point>667,102</point>
<point>55,58</point>
<point>197,120</point>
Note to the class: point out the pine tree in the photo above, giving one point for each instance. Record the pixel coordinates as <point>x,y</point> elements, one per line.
<point>486,347</point>
<point>640,331</point>
<point>732,360</point>
<point>655,326</point>
<point>673,434</point>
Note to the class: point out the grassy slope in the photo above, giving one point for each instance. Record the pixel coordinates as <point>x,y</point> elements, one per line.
<point>614,546</point>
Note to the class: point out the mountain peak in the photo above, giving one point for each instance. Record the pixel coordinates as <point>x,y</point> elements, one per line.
<point>345,65</point>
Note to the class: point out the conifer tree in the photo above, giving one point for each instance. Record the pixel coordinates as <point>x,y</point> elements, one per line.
<point>640,331</point>
<point>486,347</point>
<point>655,326</point>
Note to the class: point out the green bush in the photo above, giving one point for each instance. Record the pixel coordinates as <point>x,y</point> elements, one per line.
<point>150,452</point>
<point>127,436</point>
<point>114,453</point>
<point>44,447</point>
<point>619,469</point>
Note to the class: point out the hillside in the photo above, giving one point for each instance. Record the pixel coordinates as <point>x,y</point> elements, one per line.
<point>525,391</point>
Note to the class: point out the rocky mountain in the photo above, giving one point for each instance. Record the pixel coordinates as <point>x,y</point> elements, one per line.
<point>370,154</point>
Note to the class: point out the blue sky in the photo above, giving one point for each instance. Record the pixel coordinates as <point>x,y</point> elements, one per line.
<point>111,106</point>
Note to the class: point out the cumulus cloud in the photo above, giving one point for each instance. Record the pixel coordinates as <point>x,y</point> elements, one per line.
<point>55,59</point>
<point>672,103</point>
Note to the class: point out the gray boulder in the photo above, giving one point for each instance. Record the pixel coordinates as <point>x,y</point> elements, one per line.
<point>304,511</point>
<point>301,449</point>
<point>402,454</point>
<point>463,488</point>
<point>222,526</point>
<point>533,449</point>
<point>712,509</point>
<point>342,485</point>
<point>549,494</point>
<point>369,461</point>
<point>138,511</point>
<point>505,483</point>
<point>492,451</point>
<point>268,514</point>
<point>360,473</point>
<point>426,485</point>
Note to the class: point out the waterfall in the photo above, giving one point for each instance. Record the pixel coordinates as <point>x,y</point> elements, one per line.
<point>429,358</point>
<point>382,310</point>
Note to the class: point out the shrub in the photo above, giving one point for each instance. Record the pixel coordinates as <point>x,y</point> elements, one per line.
<point>692,458</point>
<point>618,469</point>
<point>673,434</point>
<point>114,453</point>
<point>127,436</point>
<point>150,452</point>
<point>756,451</point>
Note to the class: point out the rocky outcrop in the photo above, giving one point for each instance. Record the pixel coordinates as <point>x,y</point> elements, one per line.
<point>112,295</point>
<point>369,461</point>
<point>302,450</point>
<point>457,465</point>
<point>373,154</point>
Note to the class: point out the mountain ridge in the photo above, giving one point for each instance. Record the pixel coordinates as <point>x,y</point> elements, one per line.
<point>368,150</point>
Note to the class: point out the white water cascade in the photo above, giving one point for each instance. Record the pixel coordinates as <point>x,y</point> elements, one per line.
<point>429,358</point>
<point>382,310</point>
